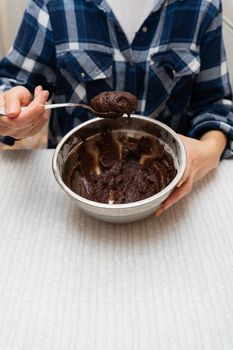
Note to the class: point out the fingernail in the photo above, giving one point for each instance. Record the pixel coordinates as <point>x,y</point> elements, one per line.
<point>46,93</point>
<point>38,89</point>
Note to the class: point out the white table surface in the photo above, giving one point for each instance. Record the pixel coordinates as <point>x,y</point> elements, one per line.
<point>70,282</point>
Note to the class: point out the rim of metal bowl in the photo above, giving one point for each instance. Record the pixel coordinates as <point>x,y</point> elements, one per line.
<point>85,201</point>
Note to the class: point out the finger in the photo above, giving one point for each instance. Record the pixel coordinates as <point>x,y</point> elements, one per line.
<point>185,176</point>
<point>35,115</point>
<point>183,180</point>
<point>24,119</point>
<point>41,97</point>
<point>37,90</point>
<point>176,195</point>
<point>12,106</point>
<point>14,99</point>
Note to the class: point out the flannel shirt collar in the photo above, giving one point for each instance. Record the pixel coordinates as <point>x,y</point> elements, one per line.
<point>103,5</point>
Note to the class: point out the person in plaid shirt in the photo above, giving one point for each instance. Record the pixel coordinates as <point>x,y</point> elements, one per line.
<point>174,62</point>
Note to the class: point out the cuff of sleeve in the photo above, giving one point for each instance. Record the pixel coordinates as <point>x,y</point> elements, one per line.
<point>7,140</point>
<point>201,128</point>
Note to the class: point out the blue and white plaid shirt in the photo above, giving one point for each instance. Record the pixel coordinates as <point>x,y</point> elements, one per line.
<point>176,65</point>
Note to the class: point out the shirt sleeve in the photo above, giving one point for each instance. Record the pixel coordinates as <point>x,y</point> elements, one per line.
<point>211,104</point>
<point>31,61</point>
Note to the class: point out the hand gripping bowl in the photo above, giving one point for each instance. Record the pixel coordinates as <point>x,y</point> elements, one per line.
<point>134,126</point>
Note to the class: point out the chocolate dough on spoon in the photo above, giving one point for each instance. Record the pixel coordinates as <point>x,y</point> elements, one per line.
<point>113,104</point>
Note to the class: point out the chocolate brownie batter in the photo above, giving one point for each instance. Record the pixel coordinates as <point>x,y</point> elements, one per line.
<point>114,103</point>
<point>118,169</point>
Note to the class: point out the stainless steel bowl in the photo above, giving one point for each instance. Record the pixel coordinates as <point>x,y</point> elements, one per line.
<point>134,126</point>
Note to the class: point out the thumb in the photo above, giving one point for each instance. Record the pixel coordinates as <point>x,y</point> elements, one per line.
<point>14,99</point>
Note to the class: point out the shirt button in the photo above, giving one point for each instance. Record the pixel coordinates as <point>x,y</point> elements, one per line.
<point>82,75</point>
<point>144,29</point>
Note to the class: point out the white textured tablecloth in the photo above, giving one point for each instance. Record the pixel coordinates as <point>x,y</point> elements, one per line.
<point>70,282</point>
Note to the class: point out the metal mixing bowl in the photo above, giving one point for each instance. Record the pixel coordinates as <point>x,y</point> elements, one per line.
<point>134,126</point>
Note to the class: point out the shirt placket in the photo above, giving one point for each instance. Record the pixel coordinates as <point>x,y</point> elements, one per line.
<point>141,47</point>
<point>122,50</point>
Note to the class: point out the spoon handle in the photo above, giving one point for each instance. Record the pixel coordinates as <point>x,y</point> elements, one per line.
<point>60,105</point>
<point>50,106</point>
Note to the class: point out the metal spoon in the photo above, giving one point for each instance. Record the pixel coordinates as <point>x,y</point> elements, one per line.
<point>109,114</point>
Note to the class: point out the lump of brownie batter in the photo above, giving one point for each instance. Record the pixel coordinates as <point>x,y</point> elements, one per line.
<point>118,102</point>
<point>117,170</point>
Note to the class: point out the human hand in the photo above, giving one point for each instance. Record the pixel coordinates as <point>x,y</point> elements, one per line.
<point>202,156</point>
<point>19,124</point>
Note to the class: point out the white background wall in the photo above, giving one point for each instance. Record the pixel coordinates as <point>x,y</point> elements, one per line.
<point>11,12</point>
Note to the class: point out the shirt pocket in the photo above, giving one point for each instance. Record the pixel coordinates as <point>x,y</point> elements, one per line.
<point>92,70</point>
<point>172,74</point>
